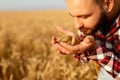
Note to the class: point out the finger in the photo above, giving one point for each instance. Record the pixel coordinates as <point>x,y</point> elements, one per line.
<point>90,43</point>
<point>72,49</point>
<point>89,39</point>
<point>57,49</point>
<point>64,31</point>
<point>79,48</point>
<point>59,52</point>
<point>62,49</point>
<point>83,58</point>
<point>54,40</point>
<point>67,32</point>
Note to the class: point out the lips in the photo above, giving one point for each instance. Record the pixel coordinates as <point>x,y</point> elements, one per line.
<point>83,30</point>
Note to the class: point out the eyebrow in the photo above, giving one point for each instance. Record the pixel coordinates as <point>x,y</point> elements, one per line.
<point>78,15</point>
<point>75,15</point>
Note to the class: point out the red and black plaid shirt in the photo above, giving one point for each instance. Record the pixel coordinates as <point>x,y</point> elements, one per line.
<point>108,51</point>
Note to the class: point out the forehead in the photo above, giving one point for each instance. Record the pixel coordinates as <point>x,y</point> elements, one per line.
<point>81,5</point>
<point>81,1</point>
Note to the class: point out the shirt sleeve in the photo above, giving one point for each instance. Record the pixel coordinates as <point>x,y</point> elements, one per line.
<point>108,60</point>
<point>107,55</point>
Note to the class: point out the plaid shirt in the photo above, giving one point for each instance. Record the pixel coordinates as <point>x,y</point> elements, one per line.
<point>108,52</point>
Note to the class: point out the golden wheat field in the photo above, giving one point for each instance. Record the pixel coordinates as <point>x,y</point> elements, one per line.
<point>26,52</point>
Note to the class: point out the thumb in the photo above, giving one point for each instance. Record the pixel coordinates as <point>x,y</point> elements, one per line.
<point>89,39</point>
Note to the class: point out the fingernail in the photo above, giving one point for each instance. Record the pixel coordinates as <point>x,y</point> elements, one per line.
<point>58,52</point>
<point>87,40</point>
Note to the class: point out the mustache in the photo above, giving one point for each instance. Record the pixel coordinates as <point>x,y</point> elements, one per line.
<point>88,31</point>
<point>84,29</point>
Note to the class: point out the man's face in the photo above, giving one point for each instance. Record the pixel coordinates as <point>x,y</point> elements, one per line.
<point>87,14</point>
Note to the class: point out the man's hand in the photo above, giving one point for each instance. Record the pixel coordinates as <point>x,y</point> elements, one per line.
<point>117,78</point>
<point>88,44</point>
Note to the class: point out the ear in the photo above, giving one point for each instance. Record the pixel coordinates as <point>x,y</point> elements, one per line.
<point>108,5</point>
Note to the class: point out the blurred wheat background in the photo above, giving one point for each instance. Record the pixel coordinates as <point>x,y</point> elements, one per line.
<point>26,52</point>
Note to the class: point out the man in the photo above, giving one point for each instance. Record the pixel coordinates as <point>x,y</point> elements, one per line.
<point>99,22</point>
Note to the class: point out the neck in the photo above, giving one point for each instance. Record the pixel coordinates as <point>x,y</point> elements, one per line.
<point>106,28</point>
<point>112,17</point>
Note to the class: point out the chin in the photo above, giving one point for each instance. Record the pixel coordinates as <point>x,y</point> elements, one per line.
<point>87,33</point>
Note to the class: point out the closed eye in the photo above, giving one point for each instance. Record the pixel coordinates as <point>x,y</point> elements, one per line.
<point>84,16</point>
<point>80,16</point>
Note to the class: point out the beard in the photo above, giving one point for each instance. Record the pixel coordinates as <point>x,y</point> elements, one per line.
<point>102,24</point>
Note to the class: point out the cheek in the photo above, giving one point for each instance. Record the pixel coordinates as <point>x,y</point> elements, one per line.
<point>92,21</point>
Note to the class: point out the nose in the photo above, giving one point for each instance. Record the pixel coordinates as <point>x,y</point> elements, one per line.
<point>78,23</point>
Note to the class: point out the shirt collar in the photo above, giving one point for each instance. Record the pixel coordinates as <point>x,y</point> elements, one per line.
<point>114,27</point>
